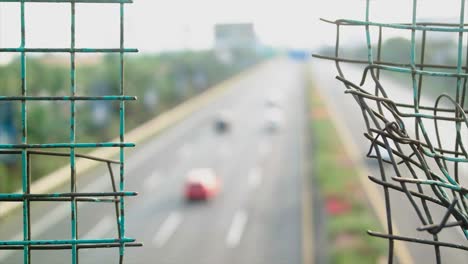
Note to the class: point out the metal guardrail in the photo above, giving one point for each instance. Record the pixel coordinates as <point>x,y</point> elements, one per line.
<point>428,172</point>
<point>27,151</point>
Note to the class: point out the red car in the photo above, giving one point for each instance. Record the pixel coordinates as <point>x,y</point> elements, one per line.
<point>201,184</point>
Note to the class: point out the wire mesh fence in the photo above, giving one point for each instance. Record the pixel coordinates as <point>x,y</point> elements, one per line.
<point>28,151</point>
<point>419,141</point>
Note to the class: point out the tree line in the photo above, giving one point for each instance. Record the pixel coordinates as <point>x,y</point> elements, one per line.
<point>160,81</point>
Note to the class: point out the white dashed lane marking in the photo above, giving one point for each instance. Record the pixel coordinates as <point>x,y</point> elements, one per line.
<point>237,229</point>
<point>167,229</point>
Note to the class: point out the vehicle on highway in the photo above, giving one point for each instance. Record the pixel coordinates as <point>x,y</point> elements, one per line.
<point>273,101</point>
<point>201,184</point>
<point>223,122</point>
<point>273,119</point>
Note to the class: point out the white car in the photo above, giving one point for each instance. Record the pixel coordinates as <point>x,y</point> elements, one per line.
<point>274,119</point>
<point>274,101</point>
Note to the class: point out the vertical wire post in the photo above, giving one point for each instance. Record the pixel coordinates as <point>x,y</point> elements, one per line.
<point>24,139</point>
<point>122,135</point>
<point>73,188</point>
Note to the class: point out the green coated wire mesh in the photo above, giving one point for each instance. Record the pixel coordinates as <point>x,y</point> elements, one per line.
<point>28,151</point>
<point>419,138</point>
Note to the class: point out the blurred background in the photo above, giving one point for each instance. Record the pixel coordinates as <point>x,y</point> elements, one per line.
<point>283,116</point>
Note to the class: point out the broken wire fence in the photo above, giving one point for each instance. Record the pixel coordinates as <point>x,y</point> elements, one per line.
<point>419,143</point>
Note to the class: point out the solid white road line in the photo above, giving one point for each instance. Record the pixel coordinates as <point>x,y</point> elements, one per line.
<point>167,229</point>
<point>103,227</point>
<point>151,181</point>
<point>237,228</point>
<point>255,178</point>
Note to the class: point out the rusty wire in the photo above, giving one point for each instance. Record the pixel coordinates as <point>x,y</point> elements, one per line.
<point>420,164</point>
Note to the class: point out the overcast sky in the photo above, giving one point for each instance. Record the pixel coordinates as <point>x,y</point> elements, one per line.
<point>155,25</point>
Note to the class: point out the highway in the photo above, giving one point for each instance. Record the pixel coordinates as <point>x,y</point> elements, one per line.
<point>255,219</point>
<point>349,115</point>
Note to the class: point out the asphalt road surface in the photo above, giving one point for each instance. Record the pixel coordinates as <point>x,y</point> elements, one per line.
<point>255,219</point>
<point>348,112</point>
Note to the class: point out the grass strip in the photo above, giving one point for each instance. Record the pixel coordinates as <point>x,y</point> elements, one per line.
<point>348,214</point>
